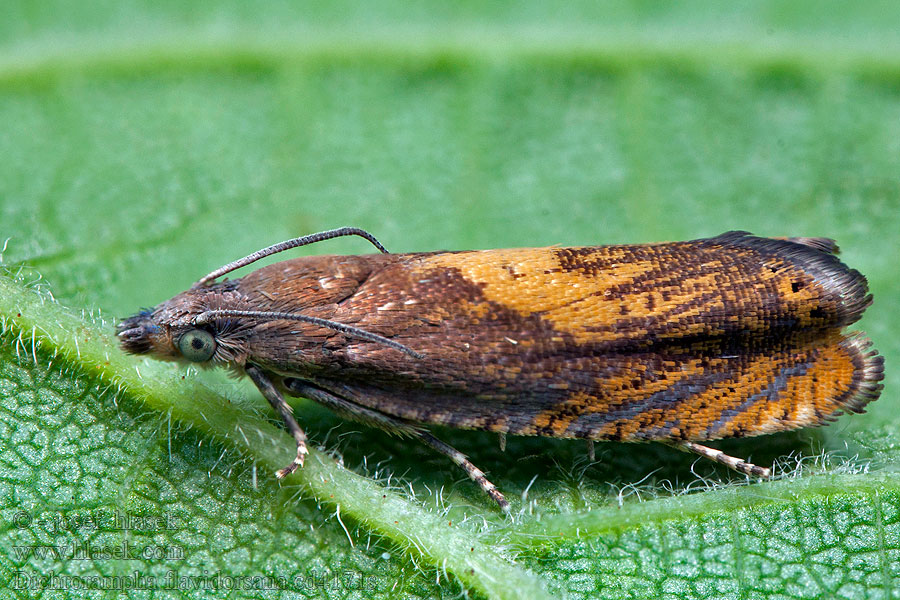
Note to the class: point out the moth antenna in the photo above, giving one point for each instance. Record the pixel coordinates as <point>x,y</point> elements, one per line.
<point>205,317</point>
<point>287,245</point>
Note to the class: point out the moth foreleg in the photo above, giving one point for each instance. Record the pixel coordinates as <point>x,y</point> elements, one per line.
<point>287,415</point>
<point>739,465</point>
<point>391,424</point>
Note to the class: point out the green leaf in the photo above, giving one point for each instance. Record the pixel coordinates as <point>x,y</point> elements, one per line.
<point>145,144</point>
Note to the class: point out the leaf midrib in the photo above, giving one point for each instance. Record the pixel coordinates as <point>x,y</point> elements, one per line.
<point>127,53</point>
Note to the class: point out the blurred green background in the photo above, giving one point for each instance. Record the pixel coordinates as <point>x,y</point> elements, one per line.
<point>143,144</point>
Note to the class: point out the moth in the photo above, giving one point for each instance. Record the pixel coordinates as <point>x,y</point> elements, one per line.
<point>680,343</point>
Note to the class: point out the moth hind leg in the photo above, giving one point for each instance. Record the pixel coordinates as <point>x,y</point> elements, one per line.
<point>373,418</point>
<point>474,473</point>
<point>737,464</point>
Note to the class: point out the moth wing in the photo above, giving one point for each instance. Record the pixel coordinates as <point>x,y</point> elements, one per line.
<point>654,396</point>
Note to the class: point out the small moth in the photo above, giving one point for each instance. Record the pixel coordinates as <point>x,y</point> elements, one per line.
<point>679,343</point>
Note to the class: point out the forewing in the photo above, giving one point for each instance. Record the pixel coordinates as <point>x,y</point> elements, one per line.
<point>735,335</point>
<point>650,396</point>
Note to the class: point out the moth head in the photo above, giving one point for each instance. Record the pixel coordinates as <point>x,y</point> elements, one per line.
<point>175,330</point>
<point>211,325</point>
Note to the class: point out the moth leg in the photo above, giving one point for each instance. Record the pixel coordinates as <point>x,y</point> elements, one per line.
<point>391,424</point>
<point>287,415</point>
<point>739,465</point>
<point>474,473</point>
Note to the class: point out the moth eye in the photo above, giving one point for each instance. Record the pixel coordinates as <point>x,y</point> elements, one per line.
<point>197,345</point>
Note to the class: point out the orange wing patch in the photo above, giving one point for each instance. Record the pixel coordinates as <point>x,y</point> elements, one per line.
<point>530,281</point>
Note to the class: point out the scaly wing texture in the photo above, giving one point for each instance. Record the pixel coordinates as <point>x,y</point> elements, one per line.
<point>654,396</point>
<point>734,335</point>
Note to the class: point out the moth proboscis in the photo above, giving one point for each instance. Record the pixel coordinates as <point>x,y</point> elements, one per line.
<point>681,343</point>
